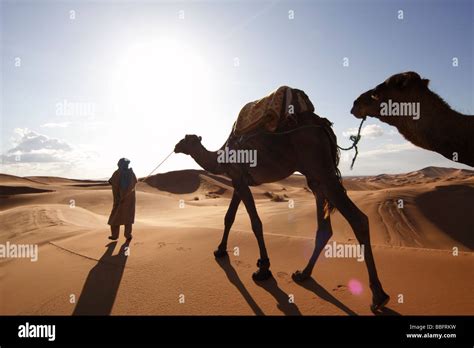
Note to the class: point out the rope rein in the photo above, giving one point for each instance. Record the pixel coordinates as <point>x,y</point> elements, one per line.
<point>355,140</point>
<point>158,166</point>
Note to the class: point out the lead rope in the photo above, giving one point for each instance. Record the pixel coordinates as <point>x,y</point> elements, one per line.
<point>355,140</point>
<point>158,166</point>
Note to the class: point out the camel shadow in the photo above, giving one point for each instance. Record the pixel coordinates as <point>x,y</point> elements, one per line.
<point>233,277</point>
<point>101,286</point>
<point>454,216</point>
<point>282,297</point>
<point>385,311</point>
<point>313,286</point>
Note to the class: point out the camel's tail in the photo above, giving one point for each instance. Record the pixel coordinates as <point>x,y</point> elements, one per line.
<point>336,154</point>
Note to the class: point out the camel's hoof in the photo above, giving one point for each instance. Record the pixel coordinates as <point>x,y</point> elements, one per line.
<point>379,302</point>
<point>299,276</point>
<point>220,253</point>
<point>262,274</point>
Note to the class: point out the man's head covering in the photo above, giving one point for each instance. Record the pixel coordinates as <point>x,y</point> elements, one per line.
<point>125,173</point>
<point>123,163</point>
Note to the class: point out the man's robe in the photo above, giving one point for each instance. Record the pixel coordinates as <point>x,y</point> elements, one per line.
<point>123,211</point>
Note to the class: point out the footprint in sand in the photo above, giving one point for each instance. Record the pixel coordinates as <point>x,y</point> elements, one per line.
<point>340,288</point>
<point>183,249</point>
<point>242,264</point>
<point>161,244</point>
<point>285,276</point>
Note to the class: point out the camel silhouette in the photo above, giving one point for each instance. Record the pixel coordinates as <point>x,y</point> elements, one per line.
<point>437,127</point>
<point>308,145</point>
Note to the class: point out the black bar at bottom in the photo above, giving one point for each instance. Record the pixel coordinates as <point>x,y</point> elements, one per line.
<point>214,329</point>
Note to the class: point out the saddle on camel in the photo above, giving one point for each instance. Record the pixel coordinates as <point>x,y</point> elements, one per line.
<point>283,111</point>
<point>277,108</point>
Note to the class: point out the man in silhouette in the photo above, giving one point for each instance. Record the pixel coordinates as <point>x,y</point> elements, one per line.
<point>123,183</point>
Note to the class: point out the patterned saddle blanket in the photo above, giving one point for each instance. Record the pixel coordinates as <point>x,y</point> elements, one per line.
<point>269,111</point>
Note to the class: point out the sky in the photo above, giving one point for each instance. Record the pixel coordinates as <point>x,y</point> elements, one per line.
<point>84,83</point>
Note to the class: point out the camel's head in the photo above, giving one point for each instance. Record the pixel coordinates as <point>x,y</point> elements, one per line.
<point>403,87</point>
<point>187,144</point>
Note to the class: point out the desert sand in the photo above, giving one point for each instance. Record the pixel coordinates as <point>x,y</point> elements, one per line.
<point>179,223</point>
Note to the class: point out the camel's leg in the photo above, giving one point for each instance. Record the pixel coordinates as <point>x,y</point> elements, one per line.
<point>246,195</point>
<point>228,221</point>
<point>323,233</point>
<point>359,222</point>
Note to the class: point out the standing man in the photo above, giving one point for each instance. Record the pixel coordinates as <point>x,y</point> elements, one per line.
<point>123,183</point>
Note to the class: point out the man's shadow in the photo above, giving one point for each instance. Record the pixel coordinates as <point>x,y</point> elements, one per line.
<point>269,285</point>
<point>101,286</point>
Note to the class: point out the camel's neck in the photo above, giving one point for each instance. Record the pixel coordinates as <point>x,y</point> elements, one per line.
<point>439,128</point>
<point>206,159</point>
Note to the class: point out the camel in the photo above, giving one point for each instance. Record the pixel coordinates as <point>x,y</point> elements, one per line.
<point>437,127</point>
<point>309,147</point>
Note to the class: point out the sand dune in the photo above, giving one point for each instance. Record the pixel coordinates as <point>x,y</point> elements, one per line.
<point>61,181</point>
<point>418,177</point>
<point>13,180</point>
<point>179,222</point>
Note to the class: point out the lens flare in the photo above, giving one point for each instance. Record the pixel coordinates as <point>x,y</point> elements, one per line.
<point>355,287</point>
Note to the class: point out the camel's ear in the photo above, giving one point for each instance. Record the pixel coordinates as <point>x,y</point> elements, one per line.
<point>406,79</point>
<point>398,81</point>
<point>200,138</point>
<point>425,82</point>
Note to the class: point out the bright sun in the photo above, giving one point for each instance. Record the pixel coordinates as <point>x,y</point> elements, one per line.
<point>160,78</point>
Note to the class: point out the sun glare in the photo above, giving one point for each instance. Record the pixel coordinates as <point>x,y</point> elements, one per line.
<point>161,78</point>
